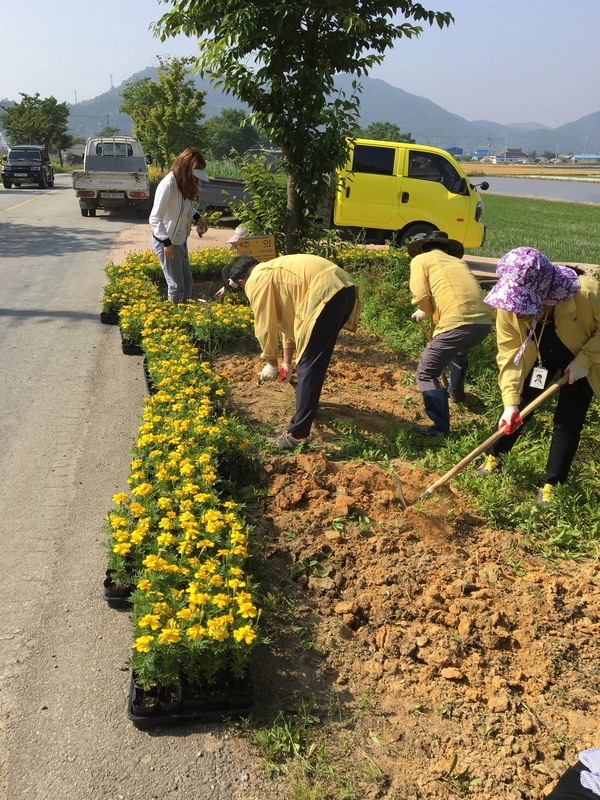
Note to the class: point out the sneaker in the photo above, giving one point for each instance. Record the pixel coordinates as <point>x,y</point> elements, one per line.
<point>428,430</point>
<point>544,495</point>
<point>287,442</point>
<point>490,464</point>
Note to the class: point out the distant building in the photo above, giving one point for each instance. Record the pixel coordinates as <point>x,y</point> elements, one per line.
<point>513,154</point>
<point>480,154</point>
<point>455,151</point>
<point>586,158</point>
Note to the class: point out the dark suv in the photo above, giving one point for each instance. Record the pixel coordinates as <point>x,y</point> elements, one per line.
<point>27,163</point>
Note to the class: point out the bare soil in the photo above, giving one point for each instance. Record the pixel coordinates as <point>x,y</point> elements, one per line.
<point>424,635</point>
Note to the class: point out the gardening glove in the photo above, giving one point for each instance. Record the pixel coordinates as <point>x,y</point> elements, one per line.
<point>268,373</point>
<point>419,315</point>
<point>285,373</point>
<point>510,419</point>
<point>575,372</point>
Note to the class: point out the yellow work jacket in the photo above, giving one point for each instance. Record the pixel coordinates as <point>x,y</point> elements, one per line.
<point>445,288</point>
<point>287,294</point>
<point>577,323</point>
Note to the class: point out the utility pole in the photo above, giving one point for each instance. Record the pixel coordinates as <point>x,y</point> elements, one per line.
<point>75,97</point>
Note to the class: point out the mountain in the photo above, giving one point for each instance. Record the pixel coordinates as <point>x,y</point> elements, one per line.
<point>380,102</point>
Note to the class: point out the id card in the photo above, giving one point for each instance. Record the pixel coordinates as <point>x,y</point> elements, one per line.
<point>539,376</point>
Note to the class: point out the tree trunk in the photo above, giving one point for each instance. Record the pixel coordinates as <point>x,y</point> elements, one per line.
<point>293,231</point>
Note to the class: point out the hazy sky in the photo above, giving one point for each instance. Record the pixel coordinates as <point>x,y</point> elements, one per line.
<point>503,60</point>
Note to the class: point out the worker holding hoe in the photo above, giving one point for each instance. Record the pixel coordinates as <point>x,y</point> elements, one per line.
<point>307,300</point>
<point>548,322</point>
<point>444,288</point>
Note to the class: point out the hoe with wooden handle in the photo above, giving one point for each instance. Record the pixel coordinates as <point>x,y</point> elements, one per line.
<point>497,435</point>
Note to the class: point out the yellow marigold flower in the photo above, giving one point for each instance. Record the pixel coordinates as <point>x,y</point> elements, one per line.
<point>117,522</point>
<point>171,569</point>
<point>122,548</point>
<point>164,503</point>
<point>149,621</point>
<point>165,524</point>
<point>239,551</point>
<point>144,584</point>
<point>237,537</point>
<point>121,535</point>
<point>247,610</point>
<point>137,509</point>
<point>137,537</point>
<point>154,562</point>
<point>236,571</point>
<point>235,583</point>
<point>222,600</point>
<point>120,498</point>
<point>184,548</point>
<point>245,634</point>
<point>195,632</point>
<point>143,489</point>
<point>170,634</point>
<point>184,613</point>
<point>218,633</point>
<point>216,580</point>
<point>201,544</point>
<point>165,539</point>
<point>162,608</point>
<point>142,644</point>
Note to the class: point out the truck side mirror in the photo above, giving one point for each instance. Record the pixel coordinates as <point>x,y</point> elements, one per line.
<point>148,159</point>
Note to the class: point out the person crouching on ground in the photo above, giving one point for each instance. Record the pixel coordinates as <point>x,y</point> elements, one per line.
<point>443,287</point>
<point>171,221</point>
<point>548,322</point>
<point>308,300</point>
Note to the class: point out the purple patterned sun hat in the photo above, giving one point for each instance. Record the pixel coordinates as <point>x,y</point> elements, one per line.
<point>528,281</point>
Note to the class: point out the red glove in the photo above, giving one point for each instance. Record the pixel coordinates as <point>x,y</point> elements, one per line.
<point>510,419</point>
<point>284,373</point>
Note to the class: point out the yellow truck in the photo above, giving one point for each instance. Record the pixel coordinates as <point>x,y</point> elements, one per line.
<point>387,191</point>
<point>394,190</point>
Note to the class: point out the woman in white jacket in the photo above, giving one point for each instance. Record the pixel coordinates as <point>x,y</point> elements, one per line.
<point>171,221</point>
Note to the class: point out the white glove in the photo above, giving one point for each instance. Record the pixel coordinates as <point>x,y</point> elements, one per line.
<point>284,374</point>
<point>419,315</point>
<point>510,419</point>
<point>268,373</point>
<point>576,372</point>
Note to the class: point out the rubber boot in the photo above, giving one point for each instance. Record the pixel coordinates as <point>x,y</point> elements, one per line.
<point>456,387</point>
<point>436,408</point>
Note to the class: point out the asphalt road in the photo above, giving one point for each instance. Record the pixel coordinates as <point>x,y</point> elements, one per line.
<point>70,403</point>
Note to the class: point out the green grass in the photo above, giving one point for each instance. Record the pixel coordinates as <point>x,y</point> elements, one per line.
<point>563,231</point>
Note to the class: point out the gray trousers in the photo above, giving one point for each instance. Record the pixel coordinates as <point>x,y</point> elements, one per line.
<point>446,347</point>
<point>177,271</point>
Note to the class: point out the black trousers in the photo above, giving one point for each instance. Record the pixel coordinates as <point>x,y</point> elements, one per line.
<point>569,786</point>
<point>312,367</point>
<point>569,416</point>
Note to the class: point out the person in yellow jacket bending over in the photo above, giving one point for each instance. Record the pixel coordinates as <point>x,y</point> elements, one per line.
<point>548,321</point>
<point>444,288</point>
<point>307,300</point>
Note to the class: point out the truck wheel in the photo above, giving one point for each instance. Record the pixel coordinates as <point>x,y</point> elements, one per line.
<point>401,239</point>
<point>91,212</point>
<point>43,184</point>
<point>51,181</point>
<point>84,212</point>
<point>6,184</point>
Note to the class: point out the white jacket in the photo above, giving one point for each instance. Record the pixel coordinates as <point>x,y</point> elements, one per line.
<point>172,214</point>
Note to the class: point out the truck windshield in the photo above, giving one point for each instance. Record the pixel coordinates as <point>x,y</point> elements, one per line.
<point>24,155</point>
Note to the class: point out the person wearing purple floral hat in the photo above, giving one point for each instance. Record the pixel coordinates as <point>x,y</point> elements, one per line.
<point>548,322</point>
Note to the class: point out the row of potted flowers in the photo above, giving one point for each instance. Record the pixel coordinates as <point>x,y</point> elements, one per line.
<point>178,537</point>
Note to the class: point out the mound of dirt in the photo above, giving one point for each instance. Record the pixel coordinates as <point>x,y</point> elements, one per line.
<point>457,661</point>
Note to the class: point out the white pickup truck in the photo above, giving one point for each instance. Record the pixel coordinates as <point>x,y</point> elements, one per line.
<point>114,175</point>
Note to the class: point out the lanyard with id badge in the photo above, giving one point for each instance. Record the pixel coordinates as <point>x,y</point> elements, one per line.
<point>539,374</point>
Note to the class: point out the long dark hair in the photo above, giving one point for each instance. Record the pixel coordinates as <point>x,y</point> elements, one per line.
<point>189,160</point>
